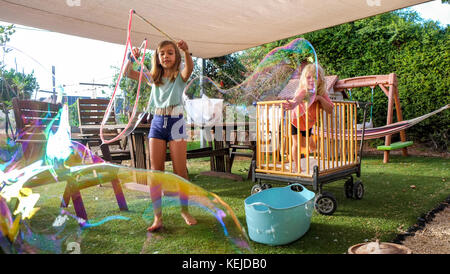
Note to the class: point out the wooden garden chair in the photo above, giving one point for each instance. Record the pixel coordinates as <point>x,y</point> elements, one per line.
<point>91,112</point>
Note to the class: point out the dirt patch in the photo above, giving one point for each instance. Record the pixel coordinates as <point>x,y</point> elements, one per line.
<point>431,234</point>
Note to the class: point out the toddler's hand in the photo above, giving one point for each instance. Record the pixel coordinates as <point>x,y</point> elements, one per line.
<point>288,105</point>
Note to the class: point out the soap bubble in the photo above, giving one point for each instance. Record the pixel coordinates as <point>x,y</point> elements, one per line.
<point>58,202</point>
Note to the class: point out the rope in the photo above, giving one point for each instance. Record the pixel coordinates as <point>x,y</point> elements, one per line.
<point>158,29</point>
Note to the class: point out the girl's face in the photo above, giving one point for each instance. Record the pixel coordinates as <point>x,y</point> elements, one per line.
<point>310,81</point>
<point>166,55</point>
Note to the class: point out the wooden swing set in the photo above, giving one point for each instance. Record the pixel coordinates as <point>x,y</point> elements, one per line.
<point>389,85</point>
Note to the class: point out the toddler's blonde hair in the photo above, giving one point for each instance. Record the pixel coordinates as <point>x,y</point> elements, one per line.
<point>320,83</point>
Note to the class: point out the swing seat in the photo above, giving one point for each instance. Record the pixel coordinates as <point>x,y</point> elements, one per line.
<point>396,145</point>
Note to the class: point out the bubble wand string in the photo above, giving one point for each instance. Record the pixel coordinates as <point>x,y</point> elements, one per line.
<point>108,109</point>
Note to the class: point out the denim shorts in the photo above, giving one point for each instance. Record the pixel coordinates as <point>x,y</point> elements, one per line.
<point>168,128</point>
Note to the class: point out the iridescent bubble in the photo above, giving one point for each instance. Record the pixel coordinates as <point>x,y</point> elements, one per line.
<point>47,217</point>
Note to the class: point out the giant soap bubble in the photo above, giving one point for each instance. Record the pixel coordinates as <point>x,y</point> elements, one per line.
<point>68,200</point>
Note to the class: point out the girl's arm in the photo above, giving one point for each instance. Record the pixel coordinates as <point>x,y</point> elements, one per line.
<point>129,72</point>
<point>133,74</point>
<point>326,102</point>
<point>189,63</point>
<point>298,98</point>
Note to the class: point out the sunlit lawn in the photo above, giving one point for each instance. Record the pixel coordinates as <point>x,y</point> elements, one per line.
<point>395,195</point>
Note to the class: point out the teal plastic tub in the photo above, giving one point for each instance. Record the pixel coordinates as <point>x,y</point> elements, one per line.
<point>279,215</point>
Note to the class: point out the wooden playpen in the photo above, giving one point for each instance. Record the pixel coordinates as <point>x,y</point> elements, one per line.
<point>335,156</point>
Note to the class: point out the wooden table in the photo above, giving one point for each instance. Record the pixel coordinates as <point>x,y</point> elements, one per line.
<point>224,147</point>
<point>137,140</point>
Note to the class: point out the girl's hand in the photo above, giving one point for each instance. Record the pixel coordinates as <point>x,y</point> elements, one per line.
<point>288,105</point>
<point>183,46</point>
<point>136,54</point>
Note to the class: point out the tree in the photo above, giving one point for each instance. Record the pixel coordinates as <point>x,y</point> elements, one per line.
<point>17,84</point>
<point>13,83</point>
<point>401,42</point>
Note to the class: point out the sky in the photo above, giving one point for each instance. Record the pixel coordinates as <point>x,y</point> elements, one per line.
<point>81,60</point>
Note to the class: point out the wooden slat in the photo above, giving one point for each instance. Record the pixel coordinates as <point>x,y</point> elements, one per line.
<point>93,113</point>
<point>85,120</point>
<point>282,135</point>
<point>38,113</point>
<point>356,137</point>
<point>92,107</point>
<point>290,141</point>
<point>267,136</point>
<point>258,138</point>
<point>94,101</point>
<point>36,105</point>
<point>336,134</point>
<point>299,143</point>
<point>322,148</point>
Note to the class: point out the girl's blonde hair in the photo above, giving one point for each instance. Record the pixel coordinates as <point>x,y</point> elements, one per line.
<point>157,71</point>
<point>320,83</point>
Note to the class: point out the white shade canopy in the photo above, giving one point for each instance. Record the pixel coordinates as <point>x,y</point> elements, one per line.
<point>211,28</point>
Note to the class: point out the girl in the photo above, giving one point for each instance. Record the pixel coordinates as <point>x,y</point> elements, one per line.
<point>306,85</point>
<point>167,126</point>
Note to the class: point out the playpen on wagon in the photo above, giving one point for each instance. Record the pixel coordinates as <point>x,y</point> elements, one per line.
<point>335,156</point>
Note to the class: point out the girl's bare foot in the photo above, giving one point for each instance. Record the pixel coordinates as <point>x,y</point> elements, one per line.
<point>157,224</point>
<point>188,218</point>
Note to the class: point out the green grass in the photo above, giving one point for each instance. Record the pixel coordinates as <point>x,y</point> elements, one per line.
<point>390,206</point>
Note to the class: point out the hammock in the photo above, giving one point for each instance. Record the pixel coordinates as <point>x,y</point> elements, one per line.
<point>374,133</point>
<point>378,132</point>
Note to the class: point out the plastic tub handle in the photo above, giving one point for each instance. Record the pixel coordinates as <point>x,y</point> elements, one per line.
<point>296,184</point>
<point>261,204</point>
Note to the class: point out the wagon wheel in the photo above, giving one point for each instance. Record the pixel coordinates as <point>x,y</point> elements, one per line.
<point>358,190</point>
<point>325,203</point>
<point>260,187</point>
<point>256,188</point>
<point>348,188</point>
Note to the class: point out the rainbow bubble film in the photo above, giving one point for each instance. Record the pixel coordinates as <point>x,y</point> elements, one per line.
<point>68,200</point>
<point>273,76</point>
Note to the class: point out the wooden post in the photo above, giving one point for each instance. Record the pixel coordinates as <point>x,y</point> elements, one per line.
<point>328,140</point>
<point>290,141</point>
<point>336,156</point>
<point>267,136</point>
<point>342,117</point>
<point>398,109</point>
<point>321,130</point>
<point>274,138</point>
<point>390,114</point>
<point>307,139</point>
<point>258,138</point>
<point>351,133</point>
<point>356,132</point>
<point>282,136</point>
